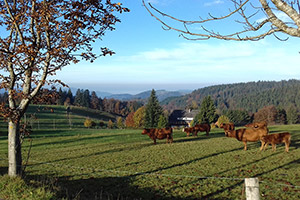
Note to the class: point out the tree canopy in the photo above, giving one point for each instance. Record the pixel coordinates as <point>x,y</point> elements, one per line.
<point>39,37</point>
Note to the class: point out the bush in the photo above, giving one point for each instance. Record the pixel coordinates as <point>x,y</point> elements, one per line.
<point>88,123</point>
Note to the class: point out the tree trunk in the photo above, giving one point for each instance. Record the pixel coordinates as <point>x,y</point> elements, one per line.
<point>14,149</point>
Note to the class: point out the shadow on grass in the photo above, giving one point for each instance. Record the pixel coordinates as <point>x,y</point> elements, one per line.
<point>103,188</point>
<point>3,170</point>
<point>201,136</point>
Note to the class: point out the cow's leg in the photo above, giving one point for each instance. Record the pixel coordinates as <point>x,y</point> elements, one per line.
<point>266,145</point>
<point>245,146</point>
<point>154,140</point>
<point>273,147</point>
<point>287,145</point>
<point>207,133</point>
<point>262,145</point>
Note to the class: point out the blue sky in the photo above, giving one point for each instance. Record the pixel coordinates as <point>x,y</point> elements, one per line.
<point>148,57</point>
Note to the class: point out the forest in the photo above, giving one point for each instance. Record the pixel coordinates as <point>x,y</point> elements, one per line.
<point>250,96</point>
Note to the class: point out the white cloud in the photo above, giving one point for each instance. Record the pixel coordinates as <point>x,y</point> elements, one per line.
<point>212,3</point>
<point>203,62</point>
<point>222,61</point>
<point>281,15</point>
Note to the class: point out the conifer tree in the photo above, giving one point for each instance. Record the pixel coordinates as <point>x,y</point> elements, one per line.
<point>207,112</point>
<point>95,104</point>
<point>162,122</point>
<point>86,98</point>
<point>153,111</point>
<point>70,96</point>
<point>60,99</point>
<point>78,101</point>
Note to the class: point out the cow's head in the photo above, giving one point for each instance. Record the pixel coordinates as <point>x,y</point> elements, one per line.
<point>145,131</point>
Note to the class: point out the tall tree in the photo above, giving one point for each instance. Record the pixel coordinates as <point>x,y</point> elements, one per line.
<point>162,121</point>
<point>207,112</point>
<point>139,117</point>
<point>255,20</point>
<point>61,97</point>
<point>78,101</point>
<point>267,113</point>
<point>39,37</point>
<point>153,111</point>
<point>129,120</point>
<point>120,123</point>
<point>86,98</point>
<point>70,96</point>
<point>95,104</point>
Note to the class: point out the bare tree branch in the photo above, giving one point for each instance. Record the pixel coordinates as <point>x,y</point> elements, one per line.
<point>252,28</point>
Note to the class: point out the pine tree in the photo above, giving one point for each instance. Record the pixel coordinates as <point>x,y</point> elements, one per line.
<point>61,97</point>
<point>153,111</point>
<point>162,122</point>
<point>86,98</point>
<point>70,96</point>
<point>207,112</point>
<point>78,101</point>
<point>94,101</point>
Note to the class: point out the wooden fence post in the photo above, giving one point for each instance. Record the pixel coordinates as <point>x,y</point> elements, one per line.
<point>252,189</point>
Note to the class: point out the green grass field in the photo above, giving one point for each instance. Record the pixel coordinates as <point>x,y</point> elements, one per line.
<point>123,164</point>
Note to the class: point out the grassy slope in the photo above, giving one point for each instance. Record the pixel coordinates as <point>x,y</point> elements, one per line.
<point>116,164</point>
<point>55,117</point>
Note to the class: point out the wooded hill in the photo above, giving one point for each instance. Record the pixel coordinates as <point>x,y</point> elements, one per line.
<point>249,96</point>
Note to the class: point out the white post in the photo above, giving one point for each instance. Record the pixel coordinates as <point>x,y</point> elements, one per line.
<point>252,189</point>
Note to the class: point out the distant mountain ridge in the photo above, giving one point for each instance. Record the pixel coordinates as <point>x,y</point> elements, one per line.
<point>249,96</point>
<point>161,95</point>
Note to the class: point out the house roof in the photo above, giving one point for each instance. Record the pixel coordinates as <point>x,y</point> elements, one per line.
<point>182,115</point>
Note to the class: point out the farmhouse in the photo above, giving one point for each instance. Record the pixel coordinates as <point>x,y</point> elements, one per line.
<point>182,117</point>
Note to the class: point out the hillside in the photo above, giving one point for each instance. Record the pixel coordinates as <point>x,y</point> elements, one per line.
<point>250,96</point>
<point>53,117</point>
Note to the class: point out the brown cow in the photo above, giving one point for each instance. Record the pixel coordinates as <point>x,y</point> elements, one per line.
<point>202,128</point>
<point>247,135</point>
<point>277,138</point>
<point>227,126</point>
<point>160,134</point>
<point>190,130</point>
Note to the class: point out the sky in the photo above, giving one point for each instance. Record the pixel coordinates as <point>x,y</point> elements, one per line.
<point>149,57</point>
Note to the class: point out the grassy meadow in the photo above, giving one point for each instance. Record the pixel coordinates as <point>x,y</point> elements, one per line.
<point>81,163</point>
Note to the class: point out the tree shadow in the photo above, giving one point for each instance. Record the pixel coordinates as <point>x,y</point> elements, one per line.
<point>203,136</point>
<point>103,188</point>
<point>3,170</point>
